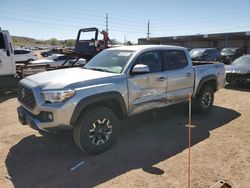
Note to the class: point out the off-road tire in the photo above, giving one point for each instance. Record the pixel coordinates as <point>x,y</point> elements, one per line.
<point>83,131</point>
<point>203,102</point>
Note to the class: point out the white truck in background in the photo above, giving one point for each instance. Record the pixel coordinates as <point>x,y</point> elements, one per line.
<point>11,73</point>
<point>8,75</point>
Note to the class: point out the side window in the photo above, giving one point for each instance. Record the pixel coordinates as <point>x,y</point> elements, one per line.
<point>174,59</point>
<point>16,52</point>
<point>25,52</point>
<point>62,58</point>
<point>2,45</point>
<point>207,53</point>
<point>211,52</point>
<point>152,60</point>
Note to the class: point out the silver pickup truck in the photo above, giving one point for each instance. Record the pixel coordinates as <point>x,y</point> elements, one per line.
<point>115,84</point>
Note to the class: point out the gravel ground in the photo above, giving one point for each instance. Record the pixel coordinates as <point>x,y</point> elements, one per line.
<point>150,152</point>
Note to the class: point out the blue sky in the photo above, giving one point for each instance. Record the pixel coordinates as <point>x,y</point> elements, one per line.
<point>45,19</point>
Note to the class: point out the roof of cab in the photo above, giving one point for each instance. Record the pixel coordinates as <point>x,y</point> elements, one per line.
<point>144,47</point>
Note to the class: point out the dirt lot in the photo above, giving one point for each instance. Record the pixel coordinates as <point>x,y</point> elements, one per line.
<point>151,150</point>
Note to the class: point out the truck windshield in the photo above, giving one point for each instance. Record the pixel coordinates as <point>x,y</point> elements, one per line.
<point>110,61</point>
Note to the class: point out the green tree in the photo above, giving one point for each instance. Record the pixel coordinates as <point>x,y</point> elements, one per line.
<point>70,42</point>
<point>53,42</point>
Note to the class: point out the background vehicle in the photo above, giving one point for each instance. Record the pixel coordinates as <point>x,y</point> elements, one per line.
<point>49,52</point>
<point>24,56</point>
<point>239,71</point>
<point>56,60</point>
<point>7,62</point>
<point>116,83</point>
<point>87,44</point>
<point>11,73</point>
<point>205,54</point>
<point>228,55</point>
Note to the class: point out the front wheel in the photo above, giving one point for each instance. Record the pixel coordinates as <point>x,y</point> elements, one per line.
<point>204,100</point>
<point>96,130</point>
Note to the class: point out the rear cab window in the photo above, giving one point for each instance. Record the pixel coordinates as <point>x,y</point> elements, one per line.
<point>212,52</point>
<point>174,59</point>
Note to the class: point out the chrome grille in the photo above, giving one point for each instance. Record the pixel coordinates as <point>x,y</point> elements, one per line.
<point>25,95</point>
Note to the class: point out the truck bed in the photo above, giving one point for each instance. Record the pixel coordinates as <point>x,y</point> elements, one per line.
<point>204,69</point>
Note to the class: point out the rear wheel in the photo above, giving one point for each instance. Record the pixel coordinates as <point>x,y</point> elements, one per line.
<point>96,130</point>
<point>204,100</point>
<point>29,61</point>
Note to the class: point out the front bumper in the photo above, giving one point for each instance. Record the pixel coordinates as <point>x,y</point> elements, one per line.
<point>244,78</point>
<point>35,122</point>
<point>227,59</point>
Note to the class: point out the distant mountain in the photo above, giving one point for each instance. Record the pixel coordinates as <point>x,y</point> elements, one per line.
<point>17,40</point>
<point>23,38</point>
<point>26,41</point>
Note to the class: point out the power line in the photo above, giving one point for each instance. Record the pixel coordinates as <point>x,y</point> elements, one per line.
<point>48,17</point>
<point>76,11</point>
<point>67,9</point>
<point>204,21</point>
<point>212,13</point>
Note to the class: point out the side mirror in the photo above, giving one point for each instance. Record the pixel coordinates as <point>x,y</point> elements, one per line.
<point>140,69</point>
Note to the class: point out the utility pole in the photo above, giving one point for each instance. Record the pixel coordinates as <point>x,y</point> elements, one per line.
<point>107,22</point>
<point>148,33</point>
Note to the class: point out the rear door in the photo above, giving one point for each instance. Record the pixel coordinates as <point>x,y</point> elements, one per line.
<point>180,75</point>
<point>6,55</point>
<point>147,91</point>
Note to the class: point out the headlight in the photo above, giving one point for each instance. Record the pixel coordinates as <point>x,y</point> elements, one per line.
<point>57,96</point>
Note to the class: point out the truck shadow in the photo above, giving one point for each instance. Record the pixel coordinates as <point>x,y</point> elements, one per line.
<point>145,140</point>
<point>238,87</point>
<point>4,96</point>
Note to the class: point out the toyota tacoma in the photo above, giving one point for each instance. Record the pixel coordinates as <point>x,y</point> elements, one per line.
<point>115,84</point>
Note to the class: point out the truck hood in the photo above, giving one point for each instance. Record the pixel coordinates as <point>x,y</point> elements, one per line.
<point>240,69</point>
<point>69,78</point>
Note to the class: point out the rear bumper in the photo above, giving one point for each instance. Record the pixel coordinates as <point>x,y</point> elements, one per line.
<point>26,118</point>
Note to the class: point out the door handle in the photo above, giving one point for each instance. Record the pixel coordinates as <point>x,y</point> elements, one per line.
<point>161,79</point>
<point>188,74</point>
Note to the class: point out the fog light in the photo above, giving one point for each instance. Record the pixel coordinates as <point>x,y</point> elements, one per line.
<point>50,116</point>
<point>46,116</point>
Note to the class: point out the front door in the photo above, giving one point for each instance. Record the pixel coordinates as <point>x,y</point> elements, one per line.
<point>147,91</point>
